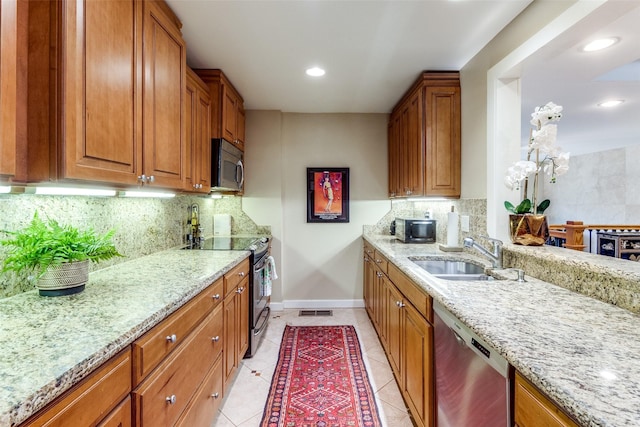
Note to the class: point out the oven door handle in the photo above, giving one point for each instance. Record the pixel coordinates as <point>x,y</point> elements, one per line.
<point>258,329</point>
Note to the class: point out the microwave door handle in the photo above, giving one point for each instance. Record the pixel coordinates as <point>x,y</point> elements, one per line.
<point>241,166</point>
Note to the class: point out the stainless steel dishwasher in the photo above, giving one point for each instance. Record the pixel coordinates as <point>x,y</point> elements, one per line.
<point>472,379</point>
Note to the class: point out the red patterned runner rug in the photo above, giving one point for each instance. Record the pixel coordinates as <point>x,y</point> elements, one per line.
<point>320,381</point>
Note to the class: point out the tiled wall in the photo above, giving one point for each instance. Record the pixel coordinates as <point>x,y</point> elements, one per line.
<point>476,209</point>
<point>143,226</point>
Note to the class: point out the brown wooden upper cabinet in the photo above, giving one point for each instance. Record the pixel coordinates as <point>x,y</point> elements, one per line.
<point>424,138</point>
<point>228,117</point>
<point>13,40</point>
<point>117,82</point>
<point>198,126</point>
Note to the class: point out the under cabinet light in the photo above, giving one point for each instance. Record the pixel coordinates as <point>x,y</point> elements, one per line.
<point>216,195</point>
<point>152,194</point>
<point>4,189</point>
<point>73,191</point>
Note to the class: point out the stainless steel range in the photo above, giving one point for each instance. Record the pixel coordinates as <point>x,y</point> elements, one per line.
<point>260,249</point>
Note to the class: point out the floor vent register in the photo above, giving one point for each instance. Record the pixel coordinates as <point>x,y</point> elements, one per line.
<point>315,313</point>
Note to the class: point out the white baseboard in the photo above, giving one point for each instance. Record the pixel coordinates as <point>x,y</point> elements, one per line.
<point>317,304</point>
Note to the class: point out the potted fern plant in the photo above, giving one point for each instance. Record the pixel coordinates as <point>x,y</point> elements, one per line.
<point>58,255</point>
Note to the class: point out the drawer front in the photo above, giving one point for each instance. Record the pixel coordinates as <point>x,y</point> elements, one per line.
<point>533,409</point>
<point>381,261</point>
<point>162,397</point>
<point>92,399</point>
<point>368,250</point>
<point>155,345</point>
<point>418,298</point>
<point>235,276</point>
<point>207,400</point>
<point>119,417</point>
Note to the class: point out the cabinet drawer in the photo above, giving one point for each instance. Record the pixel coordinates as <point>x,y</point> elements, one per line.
<point>162,397</point>
<point>368,250</point>
<point>207,400</point>
<point>235,276</point>
<point>420,300</point>
<point>533,409</point>
<point>92,399</point>
<point>155,345</point>
<point>381,261</point>
<point>119,417</point>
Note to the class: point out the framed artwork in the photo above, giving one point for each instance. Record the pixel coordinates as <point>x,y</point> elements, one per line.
<point>327,194</point>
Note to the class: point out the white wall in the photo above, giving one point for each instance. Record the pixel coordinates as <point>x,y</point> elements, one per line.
<point>317,262</point>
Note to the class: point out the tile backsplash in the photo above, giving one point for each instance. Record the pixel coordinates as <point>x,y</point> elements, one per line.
<point>143,226</point>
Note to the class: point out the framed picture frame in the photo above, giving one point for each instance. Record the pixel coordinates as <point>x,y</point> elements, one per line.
<point>327,194</point>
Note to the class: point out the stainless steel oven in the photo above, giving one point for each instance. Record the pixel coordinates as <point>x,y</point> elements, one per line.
<point>259,300</point>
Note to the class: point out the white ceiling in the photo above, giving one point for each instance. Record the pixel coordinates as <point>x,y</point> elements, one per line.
<point>372,50</point>
<point>562,73</point>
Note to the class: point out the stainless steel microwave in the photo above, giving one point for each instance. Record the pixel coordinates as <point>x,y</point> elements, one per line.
<point>227,168</point>
<point>416,230</point>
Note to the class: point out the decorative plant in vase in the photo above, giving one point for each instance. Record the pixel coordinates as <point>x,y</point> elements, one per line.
<point>527,223</point>
<point>58,255</point>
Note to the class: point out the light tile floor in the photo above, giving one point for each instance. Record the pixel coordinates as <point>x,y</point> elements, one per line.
<point>244,404</point>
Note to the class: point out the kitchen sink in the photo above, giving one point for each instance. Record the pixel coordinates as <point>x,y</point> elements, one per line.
<point>452,269</point>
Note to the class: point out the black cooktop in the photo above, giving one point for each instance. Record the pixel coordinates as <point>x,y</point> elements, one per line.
<point>227,243</point>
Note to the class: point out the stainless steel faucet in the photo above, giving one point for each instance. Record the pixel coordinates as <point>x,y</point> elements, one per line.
<point>495,256</point>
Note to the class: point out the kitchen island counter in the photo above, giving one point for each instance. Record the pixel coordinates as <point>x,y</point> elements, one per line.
<point>50,344</point>
<point>581,352</point>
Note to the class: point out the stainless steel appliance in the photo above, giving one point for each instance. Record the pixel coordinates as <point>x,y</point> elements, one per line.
<point>416,230</point>
<point>227,168</point>
<point>472,379</point>
<point>260,250</point>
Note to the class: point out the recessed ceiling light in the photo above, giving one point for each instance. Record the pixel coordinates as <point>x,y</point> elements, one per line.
<point>600,44</point>
<point>315,72</point>
<point>609,104</point>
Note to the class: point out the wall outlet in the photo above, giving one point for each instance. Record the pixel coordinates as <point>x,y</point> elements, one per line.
<point>464,223</point>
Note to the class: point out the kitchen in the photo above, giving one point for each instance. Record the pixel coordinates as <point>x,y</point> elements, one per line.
<point>273,198</point>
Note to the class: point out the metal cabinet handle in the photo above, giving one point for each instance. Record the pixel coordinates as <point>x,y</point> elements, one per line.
<point>216,338</point>
<point>216,296</point>
<point>241,274</point>
<point>240,290</point>
<point>400,304</point>
<point>378,274</point>
<point>379,261</point>
<point>215,395</point>
<point>151,178</point>
<point>172,338</point>
<point>171,399</point>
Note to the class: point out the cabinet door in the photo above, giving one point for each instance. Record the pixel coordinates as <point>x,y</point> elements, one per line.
<point>442,141</point>
<point>230,336</point>
<point>367,288</point>
<point>12,83</point>
<point>229,115</point>
<point>119,417</point>
<point>533,409</point>
<point>243,318</point>
<point>414,147</point>
<point>393,157</point>
<point>198,136</point>
<point>395,307</point>
<point>417,362</point>
<point>164,89</point>
<point>101,135</point>
<point>240,131</point>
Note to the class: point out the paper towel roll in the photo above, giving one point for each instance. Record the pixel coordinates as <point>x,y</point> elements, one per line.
<point>452,229</point>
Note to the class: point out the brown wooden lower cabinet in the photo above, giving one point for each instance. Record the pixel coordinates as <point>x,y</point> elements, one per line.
<point>207,400</point>
<point>119,417</point>
<point>92,400</point>
<point>534,409</point>
<point>400,315</point>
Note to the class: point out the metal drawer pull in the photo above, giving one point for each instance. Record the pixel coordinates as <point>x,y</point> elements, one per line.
<point>241,274</point>
<point>171,399</point>
<point>215,395</point>
<point>240,290</point>
<point>172,338</point>
<point>216,296</point>
<point>215,339</point>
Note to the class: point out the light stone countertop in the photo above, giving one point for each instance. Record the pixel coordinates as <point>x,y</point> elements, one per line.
<point>49,344</point>
<point>582,352</point>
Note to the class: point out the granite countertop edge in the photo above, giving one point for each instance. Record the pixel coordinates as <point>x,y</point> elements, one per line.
<point>119,304</point>
<point>576,349</point>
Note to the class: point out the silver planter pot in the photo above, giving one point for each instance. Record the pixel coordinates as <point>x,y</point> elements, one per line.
<point>64,279</point>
